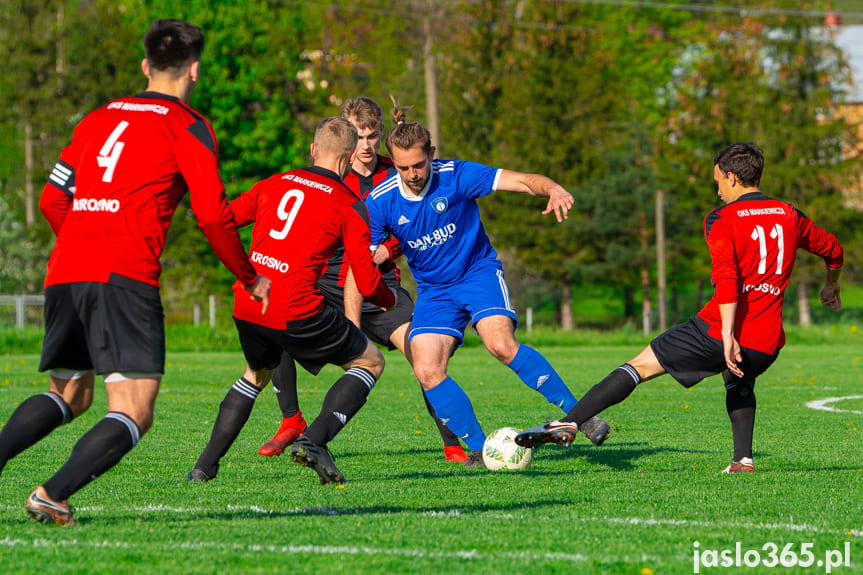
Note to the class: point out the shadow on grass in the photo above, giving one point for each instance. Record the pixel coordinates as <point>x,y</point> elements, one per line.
<point>619,456</point>
<point>318,510</point>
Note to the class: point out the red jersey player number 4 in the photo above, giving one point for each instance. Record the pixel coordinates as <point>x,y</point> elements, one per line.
<point>300,218</point>
<point>114,214</point>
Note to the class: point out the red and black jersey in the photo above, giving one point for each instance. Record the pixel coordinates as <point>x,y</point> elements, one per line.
<point>300,218</point>
<point>336,271</point>
<point>753,243</point>
<point>111,195</point>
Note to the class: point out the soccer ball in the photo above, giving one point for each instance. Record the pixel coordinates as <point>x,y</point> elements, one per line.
<point>500,451</point>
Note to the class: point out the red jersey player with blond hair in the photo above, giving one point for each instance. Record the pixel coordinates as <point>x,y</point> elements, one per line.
<point>753,241</point>
<point>300,218</point>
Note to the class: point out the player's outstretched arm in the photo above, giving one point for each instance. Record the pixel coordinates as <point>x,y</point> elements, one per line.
<point>559,200</point>
<point>817,241</point>
<point>197,163</point>
<point>830,292</point>
<point>245,207</point>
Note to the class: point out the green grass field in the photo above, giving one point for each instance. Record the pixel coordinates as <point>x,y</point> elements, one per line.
<point>638,504</point>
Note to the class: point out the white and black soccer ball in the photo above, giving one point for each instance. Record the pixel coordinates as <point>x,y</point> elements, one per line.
<point>500,451</point>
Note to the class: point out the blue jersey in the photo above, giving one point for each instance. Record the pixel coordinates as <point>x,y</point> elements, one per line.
<point>440,230</point>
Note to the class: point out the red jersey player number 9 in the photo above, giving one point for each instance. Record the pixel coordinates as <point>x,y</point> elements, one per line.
<point>287,216</point>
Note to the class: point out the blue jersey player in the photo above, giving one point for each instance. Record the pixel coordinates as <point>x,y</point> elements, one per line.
<point>430,206</point>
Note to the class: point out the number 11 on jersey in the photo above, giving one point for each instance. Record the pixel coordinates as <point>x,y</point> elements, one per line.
<point>775,234</point>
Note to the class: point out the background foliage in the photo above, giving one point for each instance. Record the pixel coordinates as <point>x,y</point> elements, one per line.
<point>614,102</point>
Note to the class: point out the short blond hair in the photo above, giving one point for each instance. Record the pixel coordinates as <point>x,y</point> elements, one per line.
<point>336,136</point>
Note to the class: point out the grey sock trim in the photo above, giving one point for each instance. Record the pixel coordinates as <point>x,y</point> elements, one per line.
<point>633,373</point>
<point>130,424</point>
<point>61,403</point>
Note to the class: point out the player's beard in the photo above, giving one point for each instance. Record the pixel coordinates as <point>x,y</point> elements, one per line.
<point>417,186</point>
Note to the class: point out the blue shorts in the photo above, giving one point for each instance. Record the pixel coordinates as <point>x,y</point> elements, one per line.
<point>447,309</point>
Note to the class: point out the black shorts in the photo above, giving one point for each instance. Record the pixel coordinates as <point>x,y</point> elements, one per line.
<point>689,355</point>
<point>325,337</point>
<point>117,326</point>
<point>376,323</point>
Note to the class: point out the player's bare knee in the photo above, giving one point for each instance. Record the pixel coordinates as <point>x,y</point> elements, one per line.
<point>146,423</point>
<point>377,368</point>
<point>503,350</point>
<point>75,387</point>
<point>259,378</point>
<point>372,359</point>
<point>646,364</point>
<point>429,374</point>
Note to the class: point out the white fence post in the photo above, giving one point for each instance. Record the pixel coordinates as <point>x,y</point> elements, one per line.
<point>529,319</point>
<point>20,302</point>
<point>19,311</point>
<point>197,315</point>
<point>212,311</point>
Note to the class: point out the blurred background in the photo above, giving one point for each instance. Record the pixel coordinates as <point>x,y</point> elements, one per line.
<point>623,102</point>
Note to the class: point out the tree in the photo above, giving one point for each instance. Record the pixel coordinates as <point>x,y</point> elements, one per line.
<point>527,80</point>
<point>261,112</point>
<point>775,81</point>
<point>60,63</point>
<point>367,48</point>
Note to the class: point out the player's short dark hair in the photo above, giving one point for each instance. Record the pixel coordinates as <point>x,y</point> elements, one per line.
<point>743,159</point>
<point>172,43</point>
<point>406,135</point>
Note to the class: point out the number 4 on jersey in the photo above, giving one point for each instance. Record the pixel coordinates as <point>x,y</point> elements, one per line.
<point>110,152</point>
<point>775,234</point>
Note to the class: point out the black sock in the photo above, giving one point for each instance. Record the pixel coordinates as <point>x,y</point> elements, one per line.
<point>449,438</point>
<point>36,417</point>
<point>344,399</point>
<point>96,452</point>
<point>285,386</point>
<point>616,387</point>
<point>233,413</point>
<point>740,404</point>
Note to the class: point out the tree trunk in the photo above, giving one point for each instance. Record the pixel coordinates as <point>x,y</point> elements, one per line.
<point>803,310</point>
<point>646,319</point>
<point>662,310</point>
<point>646,310</point>
<point>29,213</point>
<point>430,69</point>
<point>566,320</point>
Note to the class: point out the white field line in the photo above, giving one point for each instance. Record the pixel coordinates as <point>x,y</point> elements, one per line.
<point>823,404</point>
<point>455,513</point>
<point>10,542</point>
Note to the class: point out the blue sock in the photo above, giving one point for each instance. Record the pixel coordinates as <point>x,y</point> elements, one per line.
<point>453,407</point>
<point>535,371</point>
